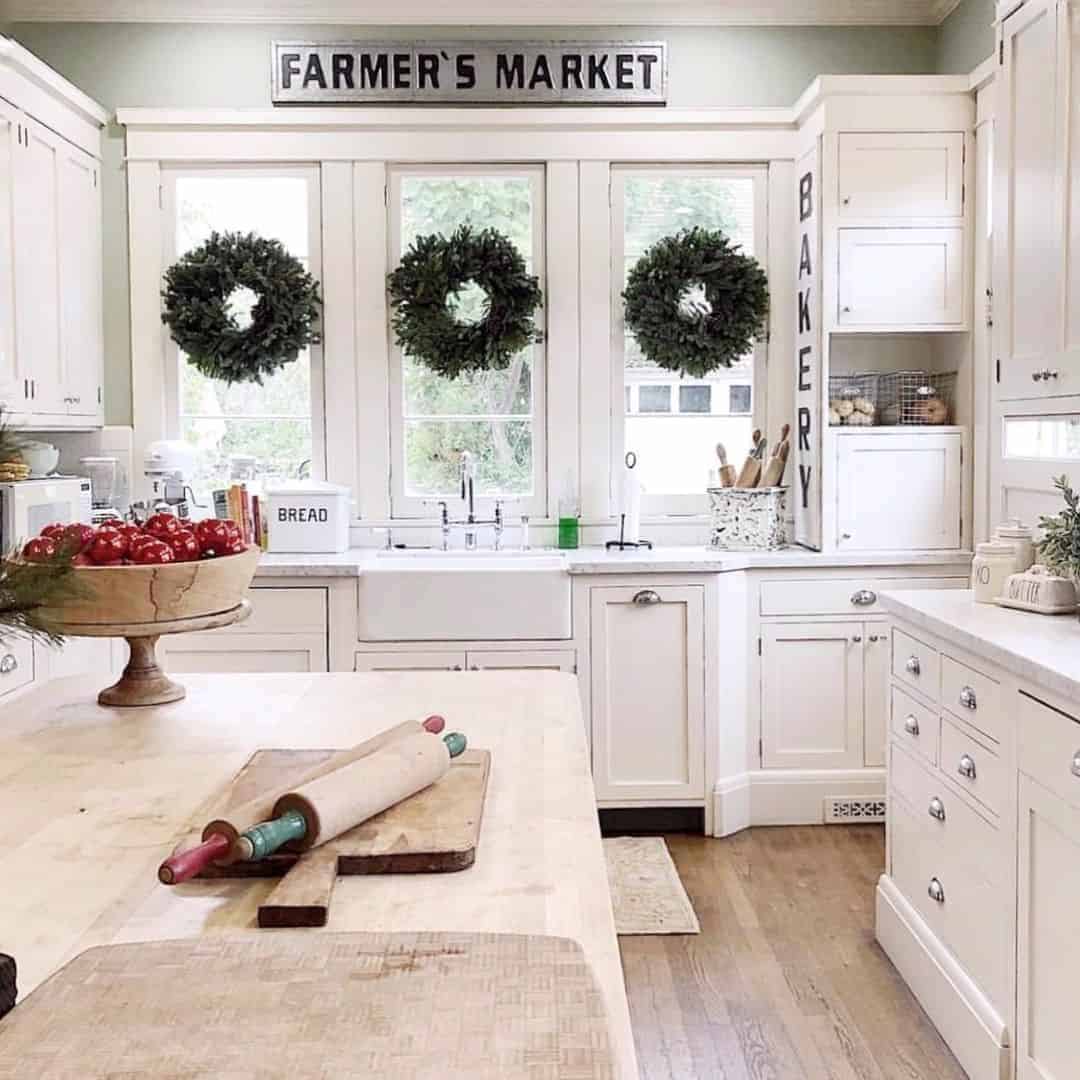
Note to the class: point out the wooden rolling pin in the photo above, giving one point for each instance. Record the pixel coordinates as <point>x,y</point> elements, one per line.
<point>322,809</point>
<point>751,470</point>
<point>726,474</point>
<point>219,837</point>
<point>774,470</point>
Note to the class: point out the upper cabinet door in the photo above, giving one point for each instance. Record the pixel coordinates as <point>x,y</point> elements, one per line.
<point>898,491</point>
<point>1068,381</point>
<point>37,267</point>
<point>901,175</point>
<point>1028,204</point>
<point>901,279</point>
<point>80,263</point>
<point>13,393</point>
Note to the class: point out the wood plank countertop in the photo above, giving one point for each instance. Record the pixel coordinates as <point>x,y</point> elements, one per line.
<point>91,800</point>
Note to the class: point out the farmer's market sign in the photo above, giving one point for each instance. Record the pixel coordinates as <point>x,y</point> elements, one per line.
<point>473,72</point>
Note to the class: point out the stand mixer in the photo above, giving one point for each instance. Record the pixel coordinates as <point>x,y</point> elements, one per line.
<point>167,464</point>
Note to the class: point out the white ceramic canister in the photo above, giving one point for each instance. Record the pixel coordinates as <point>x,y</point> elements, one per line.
<point>1022,539</point>
<point>993,565</point>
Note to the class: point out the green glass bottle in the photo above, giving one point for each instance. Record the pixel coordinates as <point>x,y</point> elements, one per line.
<point>569,533</point>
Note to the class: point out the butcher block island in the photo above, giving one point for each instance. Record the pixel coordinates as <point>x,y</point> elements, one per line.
<point>92,799</point>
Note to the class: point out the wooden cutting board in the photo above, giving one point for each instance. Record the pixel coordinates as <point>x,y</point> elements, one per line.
<point>435,831</point>
<point>309,1006</point>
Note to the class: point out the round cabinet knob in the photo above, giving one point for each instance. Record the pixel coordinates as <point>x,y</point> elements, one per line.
<point>846,200</point>
<point>966,767</point>
<point>456,667</point>
<point>911,725</point>
<point>936,809</point>
<point>864,598</point>
<point>1076,764</point>
<point>967,698</point>
<point>935,891</point>
<point>913,667</point>
<point>856,639</point>
<point>846,310</point>
<point>646,597</point>
<point>8,663</point>
<point>1048,375</point>
<point>1036,376</point>
<point>874,638</point>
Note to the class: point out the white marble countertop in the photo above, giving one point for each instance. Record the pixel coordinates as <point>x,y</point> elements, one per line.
<point>597,560</point>
<point>1040,649</point>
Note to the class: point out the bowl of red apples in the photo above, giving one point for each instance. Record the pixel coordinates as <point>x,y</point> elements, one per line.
<point>162,571</point>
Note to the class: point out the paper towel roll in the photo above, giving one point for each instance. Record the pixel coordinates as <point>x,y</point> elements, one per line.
<point>630,501</point>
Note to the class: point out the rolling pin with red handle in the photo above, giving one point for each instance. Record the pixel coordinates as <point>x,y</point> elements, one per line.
<point>318,811</point>
<point>219,837</point>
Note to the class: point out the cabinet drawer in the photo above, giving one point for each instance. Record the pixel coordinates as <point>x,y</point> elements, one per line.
<point>16,664</point>
<point>916,664</point>
<point>975,767</point>
<point>857,596</point>
<point>284,611</point>
<point>1049,749</point>
<point>959,832</point>
<point>910,867</point>
<point>972,696</point>
<point>914,725</point>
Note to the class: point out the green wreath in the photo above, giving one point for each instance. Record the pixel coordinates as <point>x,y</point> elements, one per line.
<point>240,306</point>
<point>427,283</point>
<point>693,335</point>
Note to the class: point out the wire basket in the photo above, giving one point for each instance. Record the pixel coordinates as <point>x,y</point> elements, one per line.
<point>853,400</point>
<point>917,398</point>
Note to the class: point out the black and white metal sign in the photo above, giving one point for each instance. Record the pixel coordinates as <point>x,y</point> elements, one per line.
<point>473,72</point>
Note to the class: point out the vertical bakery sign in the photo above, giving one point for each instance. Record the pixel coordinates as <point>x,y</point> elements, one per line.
<point>808,370</point>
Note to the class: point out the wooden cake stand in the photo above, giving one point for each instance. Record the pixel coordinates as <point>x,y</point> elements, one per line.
<point>143,681</point>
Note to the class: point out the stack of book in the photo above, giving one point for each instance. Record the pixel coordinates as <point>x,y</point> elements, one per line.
<point>237,504</point>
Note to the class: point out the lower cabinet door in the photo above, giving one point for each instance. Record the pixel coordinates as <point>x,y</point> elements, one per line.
<point>648,692</point>
<point>812,696</point>
<point>876,705</point>
<point>452,660</point>
<point>1048,948</point>
<point>241,653</point>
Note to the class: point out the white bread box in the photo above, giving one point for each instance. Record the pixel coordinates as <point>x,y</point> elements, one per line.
<point>307,516</point>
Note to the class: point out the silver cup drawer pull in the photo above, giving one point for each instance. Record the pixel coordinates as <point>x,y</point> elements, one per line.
<point>936,809</point>
<point>646,597</point>
<point>966,766</point>
<point>935,891</point>
<point>864,598</point>
<point>911,726</point>
<point>967,698</point>
<point>913,667</point>
<point>9,662</point>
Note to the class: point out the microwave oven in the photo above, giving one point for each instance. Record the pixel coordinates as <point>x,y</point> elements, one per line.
<point>27,506</point>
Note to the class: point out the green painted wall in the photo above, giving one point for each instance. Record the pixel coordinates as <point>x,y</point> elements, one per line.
<point>122,64</point>
<point>966,37</point>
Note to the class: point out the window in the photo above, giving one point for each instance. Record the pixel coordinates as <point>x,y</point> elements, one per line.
<point>246,430</point>
<point>676,446</point>
<point>498,416</point>
<point>1055,438</point>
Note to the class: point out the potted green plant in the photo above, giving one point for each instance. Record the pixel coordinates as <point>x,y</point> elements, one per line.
<point>1059,548</point>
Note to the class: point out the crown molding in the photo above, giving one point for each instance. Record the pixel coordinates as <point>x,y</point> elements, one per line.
<point>490,13</point>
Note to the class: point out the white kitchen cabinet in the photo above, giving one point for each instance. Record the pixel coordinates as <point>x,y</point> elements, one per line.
<point>812,706</point>
<point>898,490</point>
<point>1048,950</point>
<point>876,696</point>
<point>647,655</point>
<point>901,175</point>
<point>420,660</point>
<point>246,653</point>
<point>901,279</point>
<point>521,660</point>
<point>1037,203</point>
<point>11,392</point>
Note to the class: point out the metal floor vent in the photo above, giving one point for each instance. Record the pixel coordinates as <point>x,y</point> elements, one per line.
<point>839,810</point>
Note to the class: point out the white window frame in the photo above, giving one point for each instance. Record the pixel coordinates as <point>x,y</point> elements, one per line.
<point>659,505</point>
<point>402,505</point>
<point>172,172</point>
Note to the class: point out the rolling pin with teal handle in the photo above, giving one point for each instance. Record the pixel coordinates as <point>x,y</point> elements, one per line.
<point>220,836</point>
<point>323,809</point>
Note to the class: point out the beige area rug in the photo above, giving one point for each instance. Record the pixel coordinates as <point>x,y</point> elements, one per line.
<point>646,892</point>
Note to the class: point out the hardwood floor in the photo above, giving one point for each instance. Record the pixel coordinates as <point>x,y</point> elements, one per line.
<point>785,979</point>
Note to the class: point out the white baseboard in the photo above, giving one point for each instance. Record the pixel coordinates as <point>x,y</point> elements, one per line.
<point>787,796</point>
<point>966,1019</point>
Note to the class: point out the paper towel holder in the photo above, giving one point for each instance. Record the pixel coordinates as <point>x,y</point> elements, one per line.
<point>622,543</point>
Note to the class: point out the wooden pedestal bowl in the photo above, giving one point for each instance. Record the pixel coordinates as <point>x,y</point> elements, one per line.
<point>140,603</point>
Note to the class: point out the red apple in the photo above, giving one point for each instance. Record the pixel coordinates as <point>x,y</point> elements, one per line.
<point>40,549</point>
<point>107,545</point>
<point>162,526</point>
<point>152,553</point>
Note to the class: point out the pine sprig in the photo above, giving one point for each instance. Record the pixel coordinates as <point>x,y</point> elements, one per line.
<point>11,443</point>
<point>30,593</point>
<point>436,268</point>
<point>1059,548</point>
<point>696,338</point>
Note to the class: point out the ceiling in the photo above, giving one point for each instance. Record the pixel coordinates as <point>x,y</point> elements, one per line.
<point>492,12</point>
